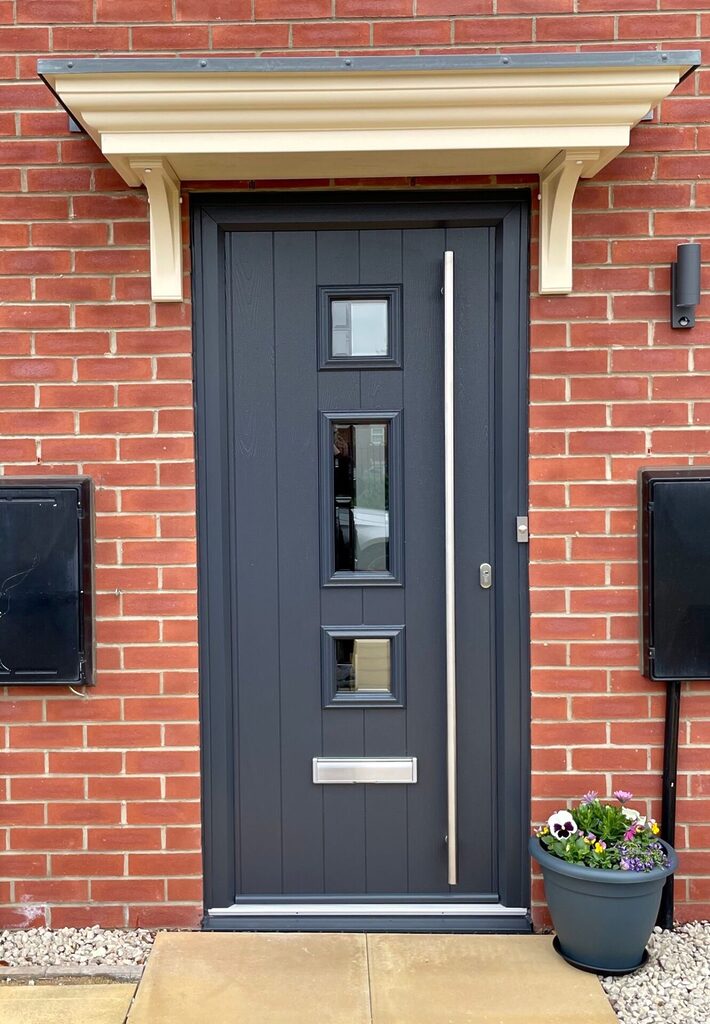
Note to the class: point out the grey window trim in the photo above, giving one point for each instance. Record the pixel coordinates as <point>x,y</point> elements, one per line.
<point>393,294</point>
<point>332,698</point>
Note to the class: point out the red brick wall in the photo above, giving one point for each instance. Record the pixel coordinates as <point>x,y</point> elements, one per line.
<point>99,819</point>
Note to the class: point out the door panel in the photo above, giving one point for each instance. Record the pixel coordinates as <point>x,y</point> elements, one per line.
<point>265,478</point>
<point>475,504</point>
<point>364,843</point>
<point>295,260</point>
<point>255,564</point>
<point>424,463</point>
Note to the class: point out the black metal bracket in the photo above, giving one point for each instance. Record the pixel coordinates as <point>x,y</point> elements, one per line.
<point>670,787</point>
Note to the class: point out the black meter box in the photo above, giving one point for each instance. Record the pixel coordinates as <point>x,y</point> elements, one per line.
<point>46,581</point>
<point>674,528</point>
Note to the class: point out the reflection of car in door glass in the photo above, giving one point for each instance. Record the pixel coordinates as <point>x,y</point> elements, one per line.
<point>371,539</point>
<point>361,494</point>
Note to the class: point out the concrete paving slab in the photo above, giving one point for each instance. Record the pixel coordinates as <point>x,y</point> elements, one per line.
<point>479,979</point>
<point>245,978</point>
<point>71,1004</point>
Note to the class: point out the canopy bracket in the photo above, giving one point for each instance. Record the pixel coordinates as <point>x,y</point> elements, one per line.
<point>163,187</point>
<point>558,182</point>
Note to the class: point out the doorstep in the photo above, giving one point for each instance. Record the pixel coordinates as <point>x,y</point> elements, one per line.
<point>299,978</point>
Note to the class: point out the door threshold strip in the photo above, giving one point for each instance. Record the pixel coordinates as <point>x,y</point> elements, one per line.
<point>368,909</point>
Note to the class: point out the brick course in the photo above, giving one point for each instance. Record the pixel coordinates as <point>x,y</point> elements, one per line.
<point>99,821</point>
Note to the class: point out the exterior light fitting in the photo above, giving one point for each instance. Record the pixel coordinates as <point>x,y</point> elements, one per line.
<point>685,285</point>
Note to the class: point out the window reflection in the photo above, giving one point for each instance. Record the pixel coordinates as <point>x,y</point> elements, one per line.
<point>359,327</point>
<point>361,486</point>
<point>363,665</point>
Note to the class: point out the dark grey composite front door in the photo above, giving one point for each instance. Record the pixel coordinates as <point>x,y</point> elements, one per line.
<point>321,453</point>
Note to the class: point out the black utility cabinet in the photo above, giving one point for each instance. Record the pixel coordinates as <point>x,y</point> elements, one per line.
<point>674,536</point>
<point>675,573</point>
<point>46,581</point>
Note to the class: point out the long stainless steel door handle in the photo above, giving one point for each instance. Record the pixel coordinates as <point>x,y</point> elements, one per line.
<point>450,542</point>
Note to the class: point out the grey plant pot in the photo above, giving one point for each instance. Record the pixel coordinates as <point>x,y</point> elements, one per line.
<point>603,918</point>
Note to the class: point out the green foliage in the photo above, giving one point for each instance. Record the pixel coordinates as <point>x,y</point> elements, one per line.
<point>605,821</point>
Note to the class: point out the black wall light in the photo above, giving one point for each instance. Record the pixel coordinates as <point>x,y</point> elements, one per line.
<point>685,285</point>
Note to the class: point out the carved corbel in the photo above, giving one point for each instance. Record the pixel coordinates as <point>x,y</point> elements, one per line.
<point>558,182</point>
<point>163,189</point>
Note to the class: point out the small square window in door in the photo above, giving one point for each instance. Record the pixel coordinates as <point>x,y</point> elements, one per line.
<point>361,498</point>
<point>359,327</point>
<point>362,666</point>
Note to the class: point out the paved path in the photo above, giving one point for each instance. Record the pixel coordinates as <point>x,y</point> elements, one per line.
<point>242,978</point>
<point>65,1004</point>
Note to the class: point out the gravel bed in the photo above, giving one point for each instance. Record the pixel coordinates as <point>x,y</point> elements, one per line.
<point>674,986</point>
<point>74,947</point>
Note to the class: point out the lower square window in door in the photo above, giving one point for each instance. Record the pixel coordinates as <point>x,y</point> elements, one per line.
<point>363,666</point>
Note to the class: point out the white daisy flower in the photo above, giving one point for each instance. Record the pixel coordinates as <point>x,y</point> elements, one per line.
<point>633,815</point>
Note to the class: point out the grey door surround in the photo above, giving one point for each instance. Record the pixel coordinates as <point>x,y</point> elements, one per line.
<point>277,280</point>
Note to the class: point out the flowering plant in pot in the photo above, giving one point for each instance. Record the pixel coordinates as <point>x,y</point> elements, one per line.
<point>604,869</point>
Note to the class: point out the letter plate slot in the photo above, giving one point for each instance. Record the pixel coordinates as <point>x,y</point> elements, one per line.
<point>348,770</point>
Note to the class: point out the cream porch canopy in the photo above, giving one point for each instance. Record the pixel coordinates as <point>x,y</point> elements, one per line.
<point>562,116</point>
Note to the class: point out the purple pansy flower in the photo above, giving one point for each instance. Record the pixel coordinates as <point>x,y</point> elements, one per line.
<point>561,825</point>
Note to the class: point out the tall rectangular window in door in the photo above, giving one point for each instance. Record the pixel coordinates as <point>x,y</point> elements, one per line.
<point>361,531</point>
